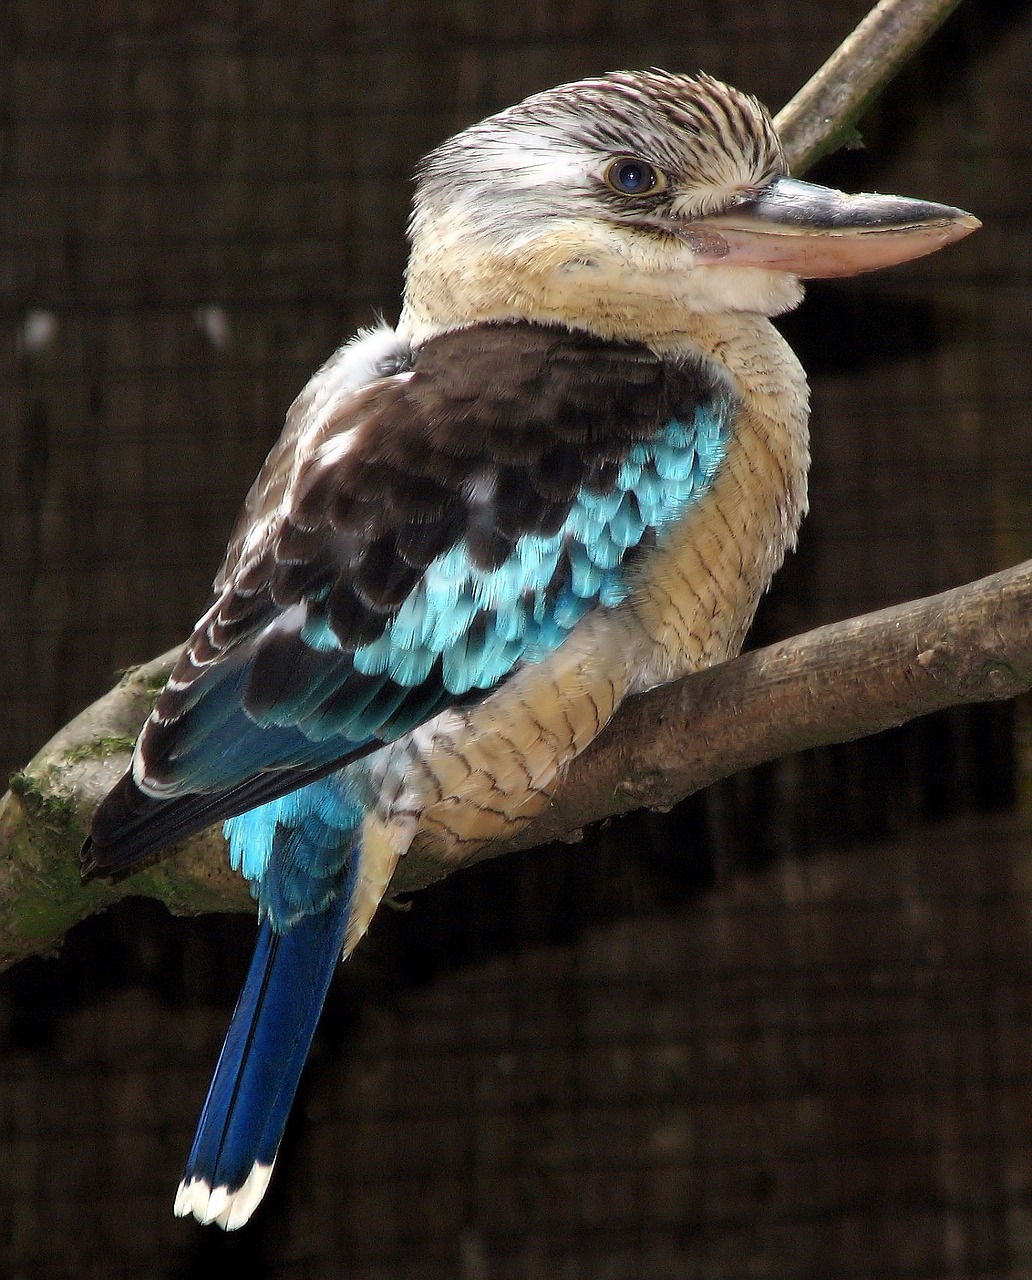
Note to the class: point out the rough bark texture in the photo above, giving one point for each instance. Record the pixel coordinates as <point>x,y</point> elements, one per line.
<point>835,684</point>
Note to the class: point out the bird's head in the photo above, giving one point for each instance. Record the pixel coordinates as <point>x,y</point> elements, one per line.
<point>624,203</point>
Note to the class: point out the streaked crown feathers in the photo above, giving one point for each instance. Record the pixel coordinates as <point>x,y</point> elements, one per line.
<point>712,140</point>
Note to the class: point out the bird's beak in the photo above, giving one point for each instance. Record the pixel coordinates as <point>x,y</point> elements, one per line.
<point>817,232</point>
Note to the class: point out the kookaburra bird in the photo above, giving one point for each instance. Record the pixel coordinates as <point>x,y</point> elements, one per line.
<point>566,476</point>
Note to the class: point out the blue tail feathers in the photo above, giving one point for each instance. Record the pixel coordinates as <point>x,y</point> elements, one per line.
<point>258,1071</point>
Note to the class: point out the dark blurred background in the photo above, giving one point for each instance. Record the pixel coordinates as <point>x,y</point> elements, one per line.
<point>783,1031</point>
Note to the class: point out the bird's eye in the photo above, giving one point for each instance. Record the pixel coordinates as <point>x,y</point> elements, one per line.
<point>633,177</point>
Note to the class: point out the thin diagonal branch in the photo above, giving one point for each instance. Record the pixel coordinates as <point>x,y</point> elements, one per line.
<point>822,116</point>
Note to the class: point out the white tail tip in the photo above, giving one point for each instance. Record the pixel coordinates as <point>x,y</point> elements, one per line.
<point>228,1209</point>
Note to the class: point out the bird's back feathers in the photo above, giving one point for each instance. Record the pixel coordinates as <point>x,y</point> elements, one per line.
<point>441,526</point>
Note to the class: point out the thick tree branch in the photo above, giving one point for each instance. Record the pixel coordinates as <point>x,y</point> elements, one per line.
<point>834,684</point>
<point>837,683</point>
